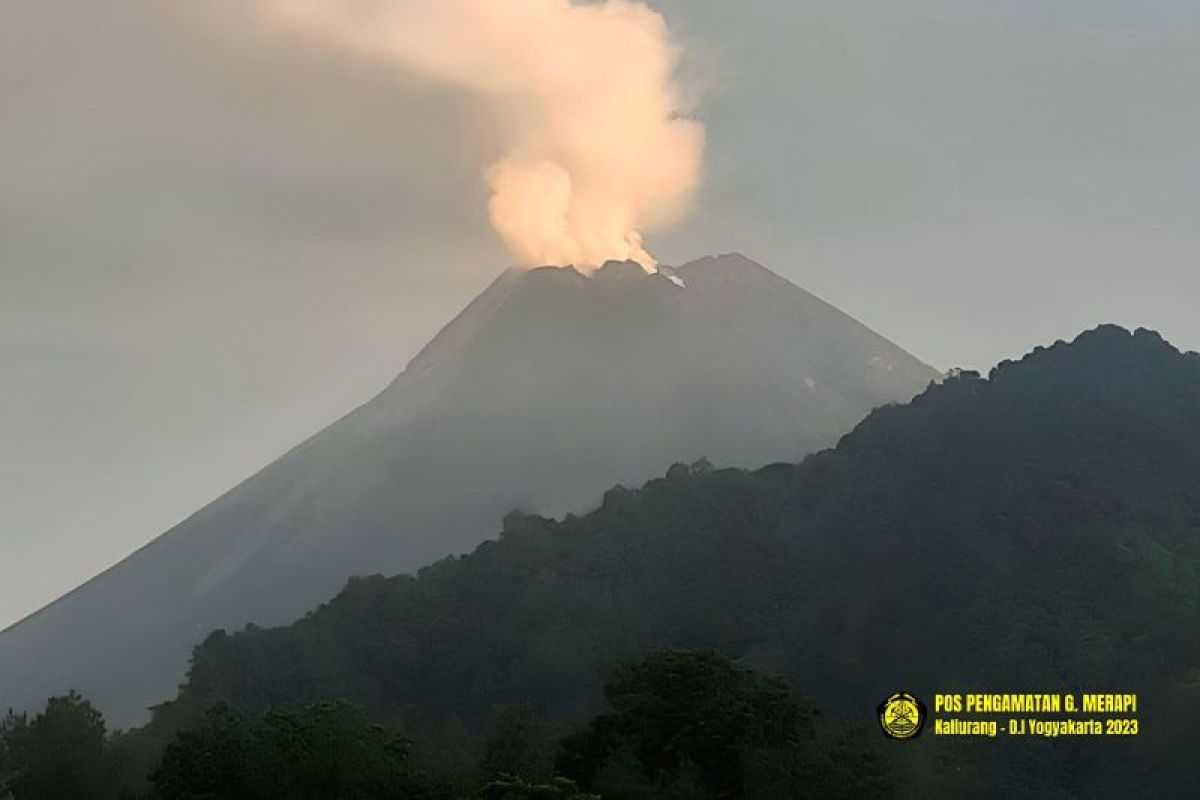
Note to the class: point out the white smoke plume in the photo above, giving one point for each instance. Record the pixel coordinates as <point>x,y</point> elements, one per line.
<point>598,148</point>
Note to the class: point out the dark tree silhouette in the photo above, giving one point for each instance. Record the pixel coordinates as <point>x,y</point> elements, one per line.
<point>60,754</point>
<point>322,752</point>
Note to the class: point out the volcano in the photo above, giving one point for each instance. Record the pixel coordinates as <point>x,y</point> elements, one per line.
<point>548,389</point>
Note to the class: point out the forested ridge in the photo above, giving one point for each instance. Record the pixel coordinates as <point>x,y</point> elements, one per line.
<point>1037,529</point>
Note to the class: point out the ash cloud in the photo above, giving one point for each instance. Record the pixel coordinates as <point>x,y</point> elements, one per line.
<point>597,145</point>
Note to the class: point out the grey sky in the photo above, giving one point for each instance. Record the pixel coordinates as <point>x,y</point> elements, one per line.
<point>214,239</point>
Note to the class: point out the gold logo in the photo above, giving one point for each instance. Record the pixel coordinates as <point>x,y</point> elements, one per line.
<point>901,716</point>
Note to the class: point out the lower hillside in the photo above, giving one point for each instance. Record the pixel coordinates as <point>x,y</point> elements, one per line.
<point>676,726</point>
<point>1037,529</point>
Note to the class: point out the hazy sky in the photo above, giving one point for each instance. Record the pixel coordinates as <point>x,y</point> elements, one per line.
<point>215,239</point>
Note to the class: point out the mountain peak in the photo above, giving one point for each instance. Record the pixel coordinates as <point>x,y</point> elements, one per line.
<point>729,265</point>
<point>552,272</point>
<point>550,387</point>
<point>723,268</point>
<point>620,271</point>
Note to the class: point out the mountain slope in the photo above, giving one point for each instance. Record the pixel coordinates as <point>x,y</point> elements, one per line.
<point>548,388</point>
<point>1035,531</point>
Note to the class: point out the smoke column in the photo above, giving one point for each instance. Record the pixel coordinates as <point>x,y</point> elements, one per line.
<point>597,149</point>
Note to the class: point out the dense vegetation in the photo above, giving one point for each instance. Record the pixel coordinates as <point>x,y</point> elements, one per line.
<point>696,727</point>
<point>1035,530</point>
<point>692,726</point>
<point>1038,528</point>
<point>320,752</point>
<point>63,753</point>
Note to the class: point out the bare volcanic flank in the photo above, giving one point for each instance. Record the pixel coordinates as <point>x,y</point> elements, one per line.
<point>546,390</point>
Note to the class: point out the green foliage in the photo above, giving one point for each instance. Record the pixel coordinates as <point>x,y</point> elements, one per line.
<point>61,754</point>
<point>695,725</point>
<point>322,752</point>
<point>8,769</point>
<point>693,715</point>
<point>519,743</point>
<point>512,788</point>
<point>1038,528</point>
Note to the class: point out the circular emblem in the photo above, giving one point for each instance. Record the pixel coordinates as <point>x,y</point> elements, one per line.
<point>901,716</point>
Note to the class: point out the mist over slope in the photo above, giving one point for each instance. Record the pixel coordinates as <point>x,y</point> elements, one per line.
<point>549,388</point>
<point>1038,530</point>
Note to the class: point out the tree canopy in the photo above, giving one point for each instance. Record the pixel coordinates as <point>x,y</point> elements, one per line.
<point>1037,528</point>
<point>59,754</point>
